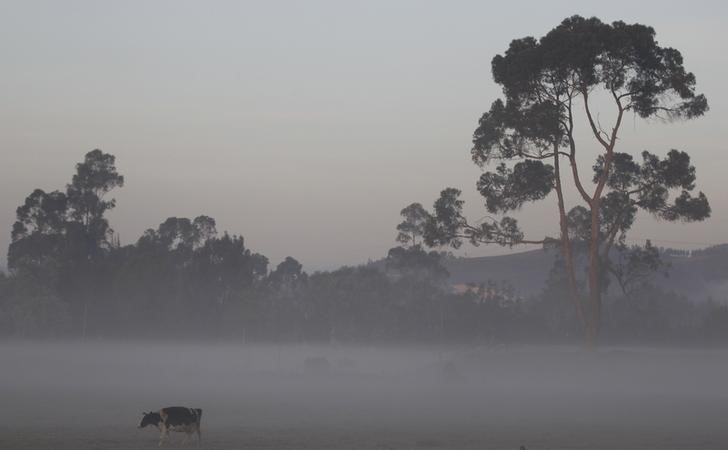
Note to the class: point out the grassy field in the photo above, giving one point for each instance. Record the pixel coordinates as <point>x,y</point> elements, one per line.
<point>91,396</point>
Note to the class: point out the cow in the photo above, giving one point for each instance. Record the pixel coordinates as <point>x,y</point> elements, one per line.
<point>174,418</point>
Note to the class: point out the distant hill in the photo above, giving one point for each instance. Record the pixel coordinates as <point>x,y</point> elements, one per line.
<point>526,271</point>
<point>701,275</point>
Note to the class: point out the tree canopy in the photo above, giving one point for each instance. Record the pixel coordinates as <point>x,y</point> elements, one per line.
<point>523,140</point>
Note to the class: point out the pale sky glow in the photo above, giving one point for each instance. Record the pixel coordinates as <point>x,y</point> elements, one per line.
<point>307,126</point>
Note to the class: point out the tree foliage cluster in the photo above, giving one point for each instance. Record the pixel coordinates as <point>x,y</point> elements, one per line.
<point>526,143</point>
<point>70,272</point>
<point>70,276</point>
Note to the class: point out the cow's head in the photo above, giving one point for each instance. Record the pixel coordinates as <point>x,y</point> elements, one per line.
<point>150,418</point>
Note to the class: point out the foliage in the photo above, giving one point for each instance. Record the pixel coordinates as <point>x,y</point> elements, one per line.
<point>413,225</point>
<point>414,262</point>
<point>522,141</point>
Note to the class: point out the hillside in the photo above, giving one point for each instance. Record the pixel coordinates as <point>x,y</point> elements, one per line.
<point>702,275</point>
<point>527,271</point>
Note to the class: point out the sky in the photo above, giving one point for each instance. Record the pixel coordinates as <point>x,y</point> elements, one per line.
<point>307,126</point>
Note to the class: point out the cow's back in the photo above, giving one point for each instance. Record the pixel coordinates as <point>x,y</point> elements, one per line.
<point>178,416</point>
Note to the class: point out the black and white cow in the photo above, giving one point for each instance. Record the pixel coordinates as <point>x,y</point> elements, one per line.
<point>174,418</point>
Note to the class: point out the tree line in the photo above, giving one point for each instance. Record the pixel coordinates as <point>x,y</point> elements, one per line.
<point>69,274</point>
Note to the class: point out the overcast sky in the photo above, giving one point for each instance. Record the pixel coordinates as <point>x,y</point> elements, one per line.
<point>306,126</point>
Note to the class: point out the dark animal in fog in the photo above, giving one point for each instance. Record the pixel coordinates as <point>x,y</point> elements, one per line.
<point>174,418</point>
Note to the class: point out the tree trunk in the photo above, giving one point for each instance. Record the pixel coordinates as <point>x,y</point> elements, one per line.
<point>595,292</point>
<point>566,243</point>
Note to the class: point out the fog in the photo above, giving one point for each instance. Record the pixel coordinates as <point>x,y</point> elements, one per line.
<point>91,395</point>
<point>294,173</point>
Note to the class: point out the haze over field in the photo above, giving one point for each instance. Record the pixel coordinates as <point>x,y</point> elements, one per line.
<point>90,395</point>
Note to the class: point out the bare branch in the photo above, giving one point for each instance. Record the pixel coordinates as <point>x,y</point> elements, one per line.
<point>610,152</point>
<point>543,156</point>
<point>593,126</point>
<point>627,94</point>
<point>572,156</point>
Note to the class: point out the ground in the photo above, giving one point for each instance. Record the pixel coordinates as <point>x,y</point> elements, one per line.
<point>90,395</point>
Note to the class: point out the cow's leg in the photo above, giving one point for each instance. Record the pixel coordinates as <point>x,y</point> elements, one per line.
<point>199,436</point>
<point>164,434</point>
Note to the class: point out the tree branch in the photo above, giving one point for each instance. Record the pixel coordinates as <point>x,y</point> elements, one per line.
<point>572,156</point>
<point>610,152</point>
<point>592,124</point>
<point>528,155</point>
<point>612,233</point>
<point>488,241</point>
<point>627,94</point>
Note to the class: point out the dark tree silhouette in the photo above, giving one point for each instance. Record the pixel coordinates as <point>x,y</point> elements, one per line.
<point>39,229</point>
<point>416,263</point>
<point>287,273</point>
<point>66,234</point>
<point>413,225</point>
<point>634,265</point>
<point>530,134</point>
<point>94,178</point>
